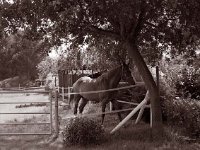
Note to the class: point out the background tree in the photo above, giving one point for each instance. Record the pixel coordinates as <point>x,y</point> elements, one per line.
<point>20,56</point>
<point>46,66</point>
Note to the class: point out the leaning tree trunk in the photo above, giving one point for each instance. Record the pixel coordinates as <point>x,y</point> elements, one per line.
<point>157,128</point>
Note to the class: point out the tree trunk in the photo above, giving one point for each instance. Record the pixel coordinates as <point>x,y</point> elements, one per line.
<point>157,128</point>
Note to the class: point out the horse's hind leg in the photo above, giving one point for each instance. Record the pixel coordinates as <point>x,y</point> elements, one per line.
<point>82,105</point>
<point>116,106</point>
<point>76,100</point>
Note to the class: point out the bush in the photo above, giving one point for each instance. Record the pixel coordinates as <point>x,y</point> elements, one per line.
<point>189,84</point>
<point>180,78</point>
<point>184,114</point>
<point>180,92</point>
<point>83,131</point>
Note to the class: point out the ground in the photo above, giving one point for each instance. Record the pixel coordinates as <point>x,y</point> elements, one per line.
<point>131,137</point>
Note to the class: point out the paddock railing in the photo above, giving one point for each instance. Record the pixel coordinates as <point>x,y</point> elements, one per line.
<point>14,124</point>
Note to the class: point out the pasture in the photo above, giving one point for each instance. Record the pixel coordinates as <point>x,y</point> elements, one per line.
<point>130,137</point>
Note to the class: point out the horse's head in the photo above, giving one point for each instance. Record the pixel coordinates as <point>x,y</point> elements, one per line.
<point>126,74</point>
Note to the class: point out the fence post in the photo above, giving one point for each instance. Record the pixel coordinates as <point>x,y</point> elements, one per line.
<point>55,82</point>
<point>151,121</point>
<point>51,113</point>
<point>58,89</point>
<point>157,79</point>
<point>69,91</point>
<point>158,88</point>
<point>56,114</point>
<point>63,94</point>
<point>111,107</point>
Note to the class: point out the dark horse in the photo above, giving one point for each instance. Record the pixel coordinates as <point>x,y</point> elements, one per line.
<point>108,80</point>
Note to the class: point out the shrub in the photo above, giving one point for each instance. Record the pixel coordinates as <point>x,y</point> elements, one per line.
<point>184,114</point>
<point>180,92</point>
<point>83,131</point>
<point>189,84</point>
<point>181,78</point>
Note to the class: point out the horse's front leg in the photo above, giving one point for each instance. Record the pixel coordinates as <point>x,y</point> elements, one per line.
<point>103,111</point>
<point>76,100</point>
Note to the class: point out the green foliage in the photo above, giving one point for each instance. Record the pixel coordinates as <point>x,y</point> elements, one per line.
<point>83,131</point>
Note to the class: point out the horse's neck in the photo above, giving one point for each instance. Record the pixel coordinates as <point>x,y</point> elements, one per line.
<point>114,76</point>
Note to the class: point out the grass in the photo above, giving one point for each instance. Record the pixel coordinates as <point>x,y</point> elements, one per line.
<point>131,138</point>
<point>138,138</point>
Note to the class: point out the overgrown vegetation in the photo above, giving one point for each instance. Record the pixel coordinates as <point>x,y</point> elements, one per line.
<point>189,83</point>
<point>83,131</point>
<point>180,89</point>
<point>184,115</point>
<point>181,76</point>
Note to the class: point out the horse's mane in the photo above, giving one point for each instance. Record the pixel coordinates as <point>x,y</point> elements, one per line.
<point>108,74</point>
<point>111,72</point>
<point>96,75</point>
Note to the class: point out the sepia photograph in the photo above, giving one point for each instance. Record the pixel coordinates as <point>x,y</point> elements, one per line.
<point>99,75</point>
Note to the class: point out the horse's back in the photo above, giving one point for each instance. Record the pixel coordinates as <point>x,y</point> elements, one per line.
<point>87,84</point>
<point>83,82</point>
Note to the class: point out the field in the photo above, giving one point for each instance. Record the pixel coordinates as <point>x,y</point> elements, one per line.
<point>130,137</point>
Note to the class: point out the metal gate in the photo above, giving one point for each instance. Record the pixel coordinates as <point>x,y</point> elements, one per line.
<point>13,125</point>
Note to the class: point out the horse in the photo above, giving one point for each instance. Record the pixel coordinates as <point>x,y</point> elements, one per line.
<point>107,80</point>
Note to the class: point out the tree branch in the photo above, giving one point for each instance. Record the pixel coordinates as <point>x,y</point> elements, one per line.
<point>122,26</point>
<point>141,18</point>
<point>95,29</point>
<point>150,24</point>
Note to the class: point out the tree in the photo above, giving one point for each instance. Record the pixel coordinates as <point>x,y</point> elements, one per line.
<point>20,56</point>
<point>139,26</point>
<point>46,66</point>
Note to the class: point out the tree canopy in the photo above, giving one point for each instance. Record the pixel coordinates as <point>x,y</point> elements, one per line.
<point>153,22</point>
<point>156,25</point>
